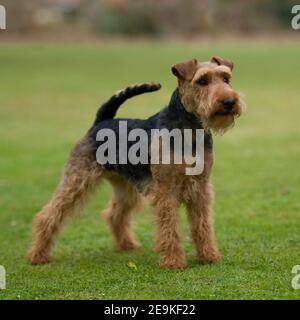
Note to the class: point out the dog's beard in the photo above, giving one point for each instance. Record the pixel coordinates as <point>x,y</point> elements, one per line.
<point>219,122</point>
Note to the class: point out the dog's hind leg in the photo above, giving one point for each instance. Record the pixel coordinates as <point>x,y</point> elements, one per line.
<point>81,175</point>
<point>126,200</point>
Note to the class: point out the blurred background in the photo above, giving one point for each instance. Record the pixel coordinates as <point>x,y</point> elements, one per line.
<point>151,18</point>
<point>59,60</point>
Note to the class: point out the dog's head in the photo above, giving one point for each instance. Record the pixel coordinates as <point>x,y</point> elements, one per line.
<point>206,92</point>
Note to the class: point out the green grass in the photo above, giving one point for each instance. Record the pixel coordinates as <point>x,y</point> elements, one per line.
<point>49,95</point>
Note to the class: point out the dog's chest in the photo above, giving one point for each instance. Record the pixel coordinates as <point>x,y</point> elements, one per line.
<point>174,176</point>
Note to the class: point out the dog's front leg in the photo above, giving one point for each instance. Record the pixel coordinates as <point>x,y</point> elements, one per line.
<point>200,212</point>
<point>168,236</point>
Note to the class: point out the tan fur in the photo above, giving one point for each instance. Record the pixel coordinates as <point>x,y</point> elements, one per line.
<point>120,211</point>
<point>198,198</point>
<point>205,101</point>
<point>169,188</point>
<point>80,177</point>
<point>168,234</point>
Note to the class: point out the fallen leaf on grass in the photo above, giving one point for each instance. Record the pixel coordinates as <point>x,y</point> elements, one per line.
<point>131,265</point>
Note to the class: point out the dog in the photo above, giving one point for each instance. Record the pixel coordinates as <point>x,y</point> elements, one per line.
<point>204,99</point>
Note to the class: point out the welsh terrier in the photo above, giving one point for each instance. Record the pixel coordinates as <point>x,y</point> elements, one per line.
<point>204,99</point>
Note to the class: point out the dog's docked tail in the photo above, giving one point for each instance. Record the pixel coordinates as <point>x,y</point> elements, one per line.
<point>109,109</point>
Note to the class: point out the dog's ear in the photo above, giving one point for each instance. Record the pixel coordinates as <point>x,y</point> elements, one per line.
<point>219,61</point>
<point>185,70</point>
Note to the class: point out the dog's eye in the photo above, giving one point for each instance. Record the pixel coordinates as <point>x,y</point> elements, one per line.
<point>202,82</point>
<point>226,80</point>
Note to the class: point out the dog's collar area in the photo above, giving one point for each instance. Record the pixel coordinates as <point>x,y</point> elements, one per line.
<point>184,117</point>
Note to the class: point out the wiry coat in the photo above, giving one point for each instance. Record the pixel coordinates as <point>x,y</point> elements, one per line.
<point>200,101</point>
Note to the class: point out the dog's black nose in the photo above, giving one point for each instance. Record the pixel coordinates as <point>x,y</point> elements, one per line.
<point>228,104</point>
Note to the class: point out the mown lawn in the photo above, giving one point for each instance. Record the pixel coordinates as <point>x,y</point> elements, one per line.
<point>48,97</point>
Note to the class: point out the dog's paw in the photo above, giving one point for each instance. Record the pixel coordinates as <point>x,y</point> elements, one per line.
<point>36,258</point>
<point>172,263</point>
<point>129,245</point>
<point>210,256</point>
